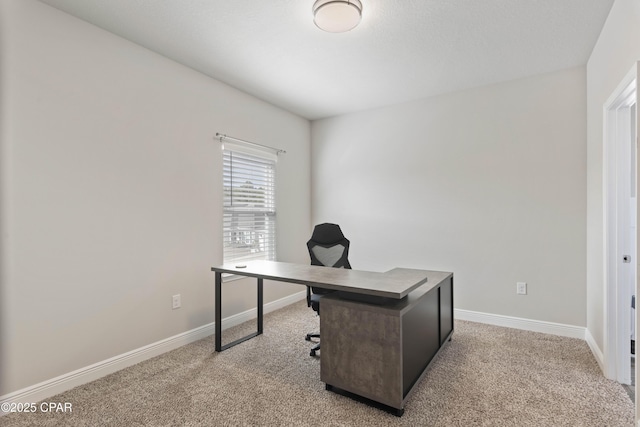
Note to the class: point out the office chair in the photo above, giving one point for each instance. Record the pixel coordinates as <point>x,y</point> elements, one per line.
<point>327,247</point>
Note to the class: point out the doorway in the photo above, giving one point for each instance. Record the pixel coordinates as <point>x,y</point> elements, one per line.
<point>621,235</point>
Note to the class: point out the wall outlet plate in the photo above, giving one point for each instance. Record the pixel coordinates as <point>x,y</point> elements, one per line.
<point>521,288</point>
<point>175,301</point>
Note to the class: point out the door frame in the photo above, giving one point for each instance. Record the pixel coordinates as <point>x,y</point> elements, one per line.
<point>617,328</point>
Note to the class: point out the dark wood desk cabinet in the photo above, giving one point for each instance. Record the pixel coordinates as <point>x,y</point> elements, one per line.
<point>379,331</point>
<point>381,351</point>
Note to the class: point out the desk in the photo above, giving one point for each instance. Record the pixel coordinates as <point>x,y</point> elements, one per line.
<point>399,319</point>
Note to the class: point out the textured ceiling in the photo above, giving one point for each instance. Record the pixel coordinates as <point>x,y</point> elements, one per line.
<point>402,50</point>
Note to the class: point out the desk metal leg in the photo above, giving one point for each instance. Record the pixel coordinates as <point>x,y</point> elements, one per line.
<point>260,305</point>
<point>218,307</point>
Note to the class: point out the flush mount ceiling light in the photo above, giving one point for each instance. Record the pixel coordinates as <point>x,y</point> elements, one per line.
<point>337,16</point>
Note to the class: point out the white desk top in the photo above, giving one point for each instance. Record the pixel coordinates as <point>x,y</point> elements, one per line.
<point>396,283</point>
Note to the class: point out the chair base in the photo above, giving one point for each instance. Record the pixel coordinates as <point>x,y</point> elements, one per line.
<point>313,351</point>
<point>309,336</point>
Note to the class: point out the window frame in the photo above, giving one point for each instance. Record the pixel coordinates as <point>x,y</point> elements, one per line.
<point>249,184</point>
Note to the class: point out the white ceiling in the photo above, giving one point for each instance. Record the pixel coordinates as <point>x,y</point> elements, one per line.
<point>402,50</point>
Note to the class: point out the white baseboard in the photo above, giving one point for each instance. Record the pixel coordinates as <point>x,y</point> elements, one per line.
<point>65,382</point>
<point>520,323</point>
<point>90,373</point>
<point>536,326</point>
<point>597,353</point>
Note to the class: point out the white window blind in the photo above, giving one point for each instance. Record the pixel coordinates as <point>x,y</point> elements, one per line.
<point>249,220</point>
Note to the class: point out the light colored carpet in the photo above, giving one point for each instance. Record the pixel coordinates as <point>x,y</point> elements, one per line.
<point>486,376</point>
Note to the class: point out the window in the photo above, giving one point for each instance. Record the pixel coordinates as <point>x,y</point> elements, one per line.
<point>249,220</point>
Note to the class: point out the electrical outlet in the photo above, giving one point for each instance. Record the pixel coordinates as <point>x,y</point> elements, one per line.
<point>175,301</point>
<point>521,288</point>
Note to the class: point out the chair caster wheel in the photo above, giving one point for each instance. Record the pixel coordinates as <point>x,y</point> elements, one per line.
<point>312,353</point>
<point>308,338</point>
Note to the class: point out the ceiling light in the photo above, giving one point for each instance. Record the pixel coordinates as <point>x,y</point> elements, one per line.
<point>337,16</point>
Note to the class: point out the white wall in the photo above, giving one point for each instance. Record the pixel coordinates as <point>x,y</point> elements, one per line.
<point>617,49</point>
<point>111,193</point>
<point>489,183</point>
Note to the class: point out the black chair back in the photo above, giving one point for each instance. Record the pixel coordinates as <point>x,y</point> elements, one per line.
<point>328,247</point>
